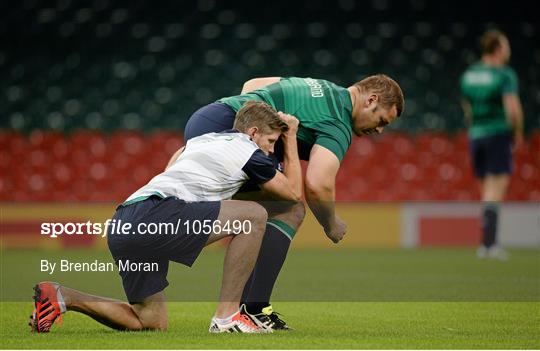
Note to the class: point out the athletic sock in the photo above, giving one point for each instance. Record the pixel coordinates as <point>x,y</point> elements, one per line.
<point>489,224</point>
<point>274,248</point>
<point>61,301</point>
<point>226,320</point>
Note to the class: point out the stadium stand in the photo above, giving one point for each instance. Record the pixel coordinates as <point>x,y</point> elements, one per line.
<point>91,90</point>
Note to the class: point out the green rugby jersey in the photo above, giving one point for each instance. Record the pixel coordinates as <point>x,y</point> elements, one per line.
<point>484,86</point>
<point>323,109</point>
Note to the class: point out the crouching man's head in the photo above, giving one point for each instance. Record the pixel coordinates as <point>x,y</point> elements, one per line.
<point>262,123</point>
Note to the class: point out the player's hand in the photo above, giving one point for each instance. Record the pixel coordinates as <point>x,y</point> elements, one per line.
<point>291,121</point>
<point>336,231</point>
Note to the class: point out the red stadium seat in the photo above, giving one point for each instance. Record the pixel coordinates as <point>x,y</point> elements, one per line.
<point>91,166</point>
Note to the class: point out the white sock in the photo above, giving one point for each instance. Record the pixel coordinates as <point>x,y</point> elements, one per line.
<point>60,300</point>
<point>226,320</point>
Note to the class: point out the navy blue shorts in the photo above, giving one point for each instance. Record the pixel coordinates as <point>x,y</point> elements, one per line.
<point>492,155</point>
<point>213,118</point>
<point>173,243</point>
<point>217,117</point>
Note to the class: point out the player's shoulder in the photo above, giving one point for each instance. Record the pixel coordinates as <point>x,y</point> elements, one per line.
<point>474,70</point>
<point>293,80</point>
<point>509,71</point>
<point>241,139</point>
<point>234,144</point>
<point>235,134</point>
<point>475,66</point>
<point>307,80</point>
<point>230,135</point>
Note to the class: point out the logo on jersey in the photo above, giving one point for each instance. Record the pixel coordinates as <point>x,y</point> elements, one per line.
<point>315,87</point>
<point>478,78</point>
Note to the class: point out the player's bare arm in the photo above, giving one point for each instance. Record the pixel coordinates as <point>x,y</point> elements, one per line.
<point>514,113</point>
<point>287,186</point>
<point>320,191</point>
<point>256,83</point>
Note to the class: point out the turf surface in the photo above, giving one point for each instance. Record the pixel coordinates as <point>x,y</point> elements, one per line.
<point>367,299</point>
<point>358,325</point>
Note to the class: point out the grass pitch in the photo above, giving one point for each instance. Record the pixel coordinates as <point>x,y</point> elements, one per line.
<point>319,325</point>
<point>362,299</point>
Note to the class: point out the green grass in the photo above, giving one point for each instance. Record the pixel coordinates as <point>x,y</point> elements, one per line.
<point>319,325</point>
<point>311,275</point>
<point>335,299</point>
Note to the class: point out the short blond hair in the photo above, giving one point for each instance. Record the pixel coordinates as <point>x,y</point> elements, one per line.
<point>386,88</point>
<point>491,41</point>
<point>261,115</point>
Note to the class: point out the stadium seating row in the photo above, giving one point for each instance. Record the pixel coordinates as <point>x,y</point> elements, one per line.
<point>93,166</point>
<point>108,66</point>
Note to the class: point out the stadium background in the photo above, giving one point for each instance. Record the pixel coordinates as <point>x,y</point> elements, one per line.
<point>95,96</point>
<point>93,99</point>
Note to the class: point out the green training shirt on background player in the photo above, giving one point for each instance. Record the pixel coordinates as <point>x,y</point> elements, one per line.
<point>483,86</point>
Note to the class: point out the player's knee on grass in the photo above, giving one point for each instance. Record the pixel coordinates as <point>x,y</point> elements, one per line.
<point>152,320</point>
<point>157,323</point>
<point>152,313</point>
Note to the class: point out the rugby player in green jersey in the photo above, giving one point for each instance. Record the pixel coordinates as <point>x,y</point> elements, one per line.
<point>493,110</point>
<point>329,115</point>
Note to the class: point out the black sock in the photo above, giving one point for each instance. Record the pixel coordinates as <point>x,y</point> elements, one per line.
<point>258,289</point>
<point>489,225</point>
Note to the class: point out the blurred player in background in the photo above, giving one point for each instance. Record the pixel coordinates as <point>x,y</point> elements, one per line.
<point>329,115</point>
<point>493,110</point>
<point>196,187</point>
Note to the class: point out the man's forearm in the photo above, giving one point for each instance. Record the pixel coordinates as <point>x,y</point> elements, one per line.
<point>293,170</point>
<point>321,201</point>
<point>517,123</point>
<point>514,113</point>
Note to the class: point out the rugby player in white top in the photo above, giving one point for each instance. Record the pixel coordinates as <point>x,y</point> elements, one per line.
<point>196,186</point>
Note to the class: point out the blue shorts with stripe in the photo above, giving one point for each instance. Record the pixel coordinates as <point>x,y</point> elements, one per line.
<point>217,117</point>
<point>212,118</point>
<point>173,242</point>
